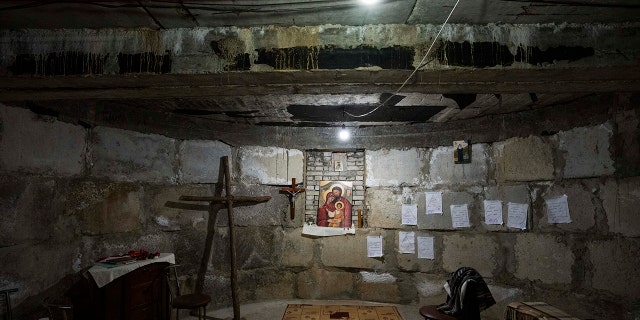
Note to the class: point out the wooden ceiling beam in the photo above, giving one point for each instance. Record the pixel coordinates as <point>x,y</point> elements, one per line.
<point>148,86</point>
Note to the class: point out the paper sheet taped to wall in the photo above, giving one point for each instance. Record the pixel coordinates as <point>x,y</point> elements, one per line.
<point>374,246</point>
<point>492,212</point>
<point>434,202</point>
<point>407,242</point>
<point>425,248</point>
<point>410,214</point>
<point>558,210</point>
<point>517,215</point>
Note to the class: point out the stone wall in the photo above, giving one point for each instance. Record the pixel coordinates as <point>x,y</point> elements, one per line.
<point>69,195</point>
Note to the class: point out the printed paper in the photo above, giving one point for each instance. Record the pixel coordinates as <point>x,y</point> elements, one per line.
<point>493,212</point>
<point>460,216</point>
<point>410,214</point>
<point>517,215</point>
<point>558,210</point>
<point>434,202</point>
<point>374,246</point>
<point>425,248</point>
<point>407,242</point>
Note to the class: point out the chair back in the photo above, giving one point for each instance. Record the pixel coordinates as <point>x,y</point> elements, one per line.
<point>470,308</point>
<point>5,303</point>
<point>173,282</point>
<point>58,311</point>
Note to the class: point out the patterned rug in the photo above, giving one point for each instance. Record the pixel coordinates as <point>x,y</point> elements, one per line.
<point>341,312</point>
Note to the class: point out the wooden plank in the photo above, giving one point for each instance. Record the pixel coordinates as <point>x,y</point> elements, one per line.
<point>238,200</point>
<point>614,79</point>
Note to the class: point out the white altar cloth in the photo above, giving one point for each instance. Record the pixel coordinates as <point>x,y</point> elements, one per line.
<point>103,275</point>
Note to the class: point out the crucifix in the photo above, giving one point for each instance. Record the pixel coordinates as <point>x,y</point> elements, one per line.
<point>216,203</point>
<point>292,193</point>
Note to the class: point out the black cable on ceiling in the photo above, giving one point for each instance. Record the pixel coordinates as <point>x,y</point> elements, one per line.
<point>576,3</point>
<point>151,15</point>
<point>279,7</point>
<point>191,15</point>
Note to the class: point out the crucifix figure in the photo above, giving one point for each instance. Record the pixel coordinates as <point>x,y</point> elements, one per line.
<point>292,193</point>
<point>216,203</point>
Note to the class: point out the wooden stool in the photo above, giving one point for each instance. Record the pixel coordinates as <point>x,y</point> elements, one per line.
<point>432,313</point>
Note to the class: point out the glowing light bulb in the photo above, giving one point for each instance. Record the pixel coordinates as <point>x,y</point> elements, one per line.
<point>344,134</point>
<point>369,2</point>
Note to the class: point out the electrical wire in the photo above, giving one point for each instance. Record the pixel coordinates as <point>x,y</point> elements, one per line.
<point>217,8</point>
<point>420,65</point>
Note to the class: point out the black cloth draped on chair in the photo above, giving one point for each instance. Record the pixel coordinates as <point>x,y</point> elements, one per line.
<point>459,283</point>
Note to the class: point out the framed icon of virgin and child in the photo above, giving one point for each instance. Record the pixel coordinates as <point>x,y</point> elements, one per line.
<point>334,207</point>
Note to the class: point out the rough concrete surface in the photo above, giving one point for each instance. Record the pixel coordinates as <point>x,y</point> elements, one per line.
<point>395,167</point>
<point>124,155</point>
<point>524,159</point>
<point>542,257</point>
<point>270,165</point>
<point>39,144</point>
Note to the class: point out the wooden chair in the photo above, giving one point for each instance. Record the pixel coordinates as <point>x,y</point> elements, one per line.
<point>191,301</point>
<point>6,303</point>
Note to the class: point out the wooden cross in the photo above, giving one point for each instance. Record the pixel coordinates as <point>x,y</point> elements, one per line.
<point>292,192</point>
<point>215,204</point>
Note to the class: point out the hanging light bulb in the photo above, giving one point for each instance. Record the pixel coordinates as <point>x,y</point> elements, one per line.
<point>369,2</point>
<point>344,134</point>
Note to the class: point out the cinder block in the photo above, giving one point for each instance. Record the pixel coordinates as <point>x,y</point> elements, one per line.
<point>542,257</point>
<point>270,165</point>
<point>27,213</point>
<point>275,285</point>
<point>443,221</point>
<point>48,147</point>
<point>381,287</point>
<point>615,266</point>
<point>586,151</point>
<point>297,251</point>
<point>395,167</point>
<point>332,253</point>
<point>200,160</point>
<point>621,200</point>
<point>123,155</point>
<point>174,217</point>
<point>410,261</point>
<point>385,207</point>
<point>523,159</point>
<point>507,193</point>
<point>325,284</point>
<point>470,250</point>
<point>430,288</point>
<point>270,213</point>
<point>581,210</point>
<point>118,210</point>
<point>443,171</point>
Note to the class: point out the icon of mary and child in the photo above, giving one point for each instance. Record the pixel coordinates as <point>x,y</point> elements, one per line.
<point>336,210</point>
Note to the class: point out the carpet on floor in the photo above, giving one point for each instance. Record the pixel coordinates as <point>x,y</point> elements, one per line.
<point>340,312</point>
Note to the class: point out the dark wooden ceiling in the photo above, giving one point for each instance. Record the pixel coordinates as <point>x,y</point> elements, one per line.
<point>200,105</point>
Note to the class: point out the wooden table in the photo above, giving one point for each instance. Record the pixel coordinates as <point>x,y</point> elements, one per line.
<point>136,291</point>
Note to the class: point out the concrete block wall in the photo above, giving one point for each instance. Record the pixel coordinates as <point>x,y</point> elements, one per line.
<point>106,191</point>
<point>70,195</point>
<point>189,50</point>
